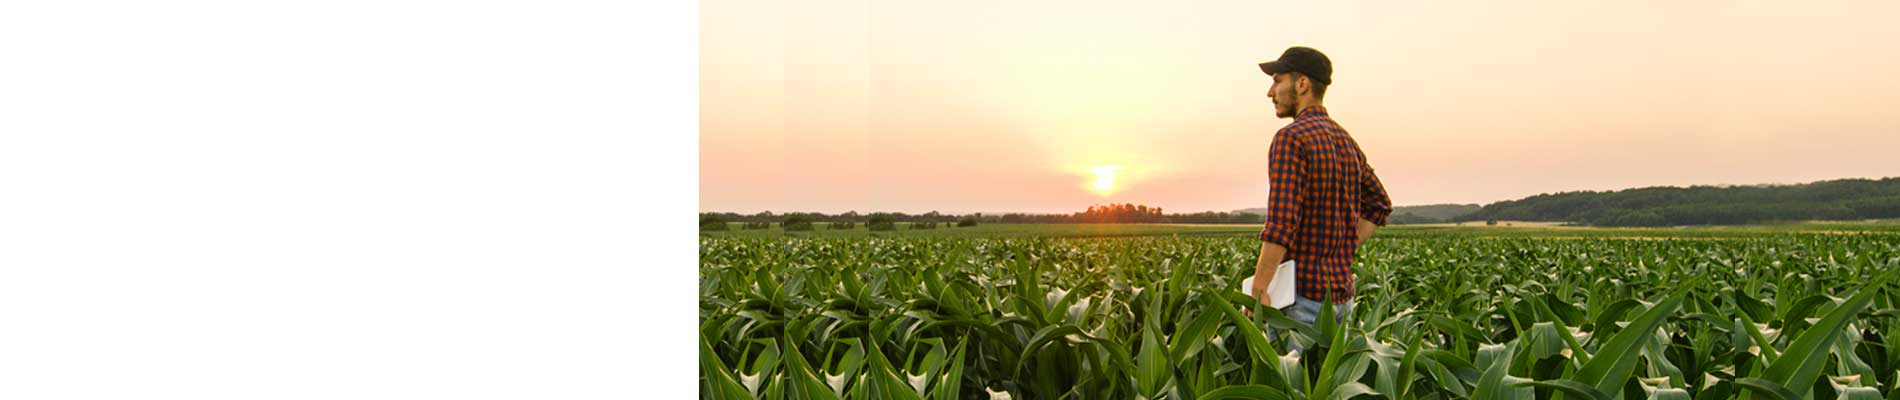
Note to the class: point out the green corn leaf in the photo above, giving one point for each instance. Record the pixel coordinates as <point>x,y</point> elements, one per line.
<point>1463,329</point>
<point>950,384</point>
<point>714,380</point>
<point>1856,393</point>
<point>1605,324</point>
<point>1203,379</point>
<point>847,366</point>
<point>1543,341</point>
<point>932,365</point>
<point>1846,362</point>
<point>1760,341</point>
<point>1274,319</point>
<point>1752,307</point>
<point>1191,339</point>
<point>1577,351</point>
<point>880,379</point>
<point>1293,371</point>
<point>1256,340</point>
<point>1445,377</point>
<point>1670,394</point>
<point>760,371</point>
<point>1494,383</point>
<point>1044,337</point>
<point>1572,388</point>
<point>1353,389</point>
<point>1407,366</point>
<point>1613,362</point>
<point>1803,308</point>
<point>1459,366</point>
<point>1152,367</point>
<point>797,381</point>
<point>1766,387</point>
<point>1245,392</point>
<point>1659,365</point>
<point>1325,383</point>
<point>1800,364</point>
<point>1385,357</point>
<point>1180,278</point>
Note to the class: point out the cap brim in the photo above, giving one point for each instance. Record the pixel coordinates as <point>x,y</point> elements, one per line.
<point>1273,67</point>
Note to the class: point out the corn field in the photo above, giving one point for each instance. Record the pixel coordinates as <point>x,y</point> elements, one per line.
<point>1787,316</point>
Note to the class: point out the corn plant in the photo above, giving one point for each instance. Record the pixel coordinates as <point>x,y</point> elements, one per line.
<point>1776,316</point>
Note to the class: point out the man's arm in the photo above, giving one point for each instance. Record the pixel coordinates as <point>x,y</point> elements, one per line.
<point>1374,205</point>
<point>1271,255</point>
<point>1285,176</point>
<point>1365,229</point>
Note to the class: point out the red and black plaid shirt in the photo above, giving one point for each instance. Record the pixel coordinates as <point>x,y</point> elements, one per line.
<point>1318,180</point>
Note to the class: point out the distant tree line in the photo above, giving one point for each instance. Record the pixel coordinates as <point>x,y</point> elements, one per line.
<point>849,216</point>
<point>1121,213</point>
<point>1411,219</point>
<point>1845,199</point>
<point>1110,213</point>
<point>1429,214</point>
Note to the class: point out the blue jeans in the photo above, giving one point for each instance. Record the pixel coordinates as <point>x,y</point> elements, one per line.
<point>1307,312</point>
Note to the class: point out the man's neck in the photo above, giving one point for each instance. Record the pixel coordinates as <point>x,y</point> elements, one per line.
<point>1305,105</point>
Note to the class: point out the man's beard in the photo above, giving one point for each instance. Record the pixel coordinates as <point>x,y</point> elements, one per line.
<point>1282,112</point>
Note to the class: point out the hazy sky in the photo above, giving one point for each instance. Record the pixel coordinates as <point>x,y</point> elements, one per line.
<point>987,106</point>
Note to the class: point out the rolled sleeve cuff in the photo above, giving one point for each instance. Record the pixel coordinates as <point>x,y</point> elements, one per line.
<point>1377,217</point>
<point>1277,235</point>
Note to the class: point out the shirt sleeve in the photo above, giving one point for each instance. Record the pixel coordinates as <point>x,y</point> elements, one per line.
<point>1286,174</point>
<point>1374,205</point>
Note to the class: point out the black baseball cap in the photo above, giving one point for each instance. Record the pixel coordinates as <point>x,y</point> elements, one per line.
<point>1303,60</point>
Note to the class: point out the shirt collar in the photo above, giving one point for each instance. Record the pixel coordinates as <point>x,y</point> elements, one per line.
<point>1314,111</point>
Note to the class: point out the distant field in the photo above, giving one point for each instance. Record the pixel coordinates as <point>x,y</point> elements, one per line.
<point>1503,229</point>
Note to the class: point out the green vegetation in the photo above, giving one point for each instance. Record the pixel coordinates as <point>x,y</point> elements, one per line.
<point>1845,199</point>
<point>796,223</point>
<point>882,222</point>
<point>1430,214</point>
<point>712,223</point>
<point>1784,311</point>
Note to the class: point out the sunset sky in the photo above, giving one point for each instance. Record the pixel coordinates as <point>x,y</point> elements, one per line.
<point>1007,106</point>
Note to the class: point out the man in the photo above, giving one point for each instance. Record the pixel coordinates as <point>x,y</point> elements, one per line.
<point>1323,198</point>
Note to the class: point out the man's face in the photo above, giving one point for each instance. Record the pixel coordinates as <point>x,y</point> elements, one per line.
<point>1284,97</point>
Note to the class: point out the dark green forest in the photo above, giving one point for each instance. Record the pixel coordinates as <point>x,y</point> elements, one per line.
<point>1844,199</point>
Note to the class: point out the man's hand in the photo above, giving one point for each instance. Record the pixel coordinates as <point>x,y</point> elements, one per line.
<point>1260,292</point>
<point>1271,254</point>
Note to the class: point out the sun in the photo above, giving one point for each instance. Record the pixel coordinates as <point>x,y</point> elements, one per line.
<point>1104,178</point>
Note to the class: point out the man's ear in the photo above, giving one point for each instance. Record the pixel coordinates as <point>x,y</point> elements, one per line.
<point>1303,87</point>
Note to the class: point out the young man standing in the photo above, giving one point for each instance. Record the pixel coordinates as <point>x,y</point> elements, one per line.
<point>1324,199</point>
